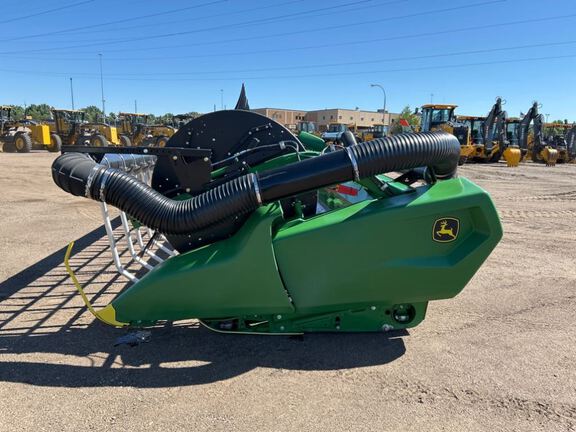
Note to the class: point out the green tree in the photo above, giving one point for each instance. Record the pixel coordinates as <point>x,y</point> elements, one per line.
<point>38,112</point>
<point>112,117</point>
<point>93,113</point>
<point>407,114</point>
<point>550,131</point>
<point>165,118</point>
<point>17,112</point>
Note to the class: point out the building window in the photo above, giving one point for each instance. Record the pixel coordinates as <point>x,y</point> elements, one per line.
<point>323,117</point>
<point>361,118</point>
<point>339,117</point>
<point>351,118</point>
<point>372,119</point>
<point>331,117</point>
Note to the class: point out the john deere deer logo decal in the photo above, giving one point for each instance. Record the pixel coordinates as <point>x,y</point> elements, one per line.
<point>446,230</point>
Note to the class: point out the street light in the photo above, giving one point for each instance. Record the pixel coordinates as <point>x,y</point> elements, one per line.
<point>384,108</point>
<point>72,93</point>
<point>102,90</point>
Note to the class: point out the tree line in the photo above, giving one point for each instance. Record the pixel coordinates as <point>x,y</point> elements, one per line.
<point>41,112</point>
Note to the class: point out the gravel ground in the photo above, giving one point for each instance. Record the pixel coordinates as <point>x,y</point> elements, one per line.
<point>501,356</point>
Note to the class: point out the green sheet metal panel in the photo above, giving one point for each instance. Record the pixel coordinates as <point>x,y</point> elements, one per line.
<point>383,251</point>
<point>227,278</point>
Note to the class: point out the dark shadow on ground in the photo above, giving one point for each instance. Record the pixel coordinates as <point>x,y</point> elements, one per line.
<point>177,355</point>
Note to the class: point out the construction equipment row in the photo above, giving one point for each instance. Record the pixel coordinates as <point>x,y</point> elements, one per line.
<point>483,139</point>
<point>69,127</point>
<point>495,137</point>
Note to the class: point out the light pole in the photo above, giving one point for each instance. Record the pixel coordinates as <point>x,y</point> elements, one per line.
<point>384,107</point>
<point>72,93</point>
<point>221,99</point>
<point>102,90</point>
<point>547,115</point>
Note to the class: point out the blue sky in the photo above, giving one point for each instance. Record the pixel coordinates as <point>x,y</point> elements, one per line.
<point>177,56</point>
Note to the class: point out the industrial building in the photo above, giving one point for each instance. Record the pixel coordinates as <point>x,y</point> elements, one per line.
<point>286,117</point>
<point>323,118</point>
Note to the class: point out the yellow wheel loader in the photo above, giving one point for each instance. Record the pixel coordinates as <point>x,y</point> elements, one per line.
<point>442,117</point>
<point>132,129</point>
<point>136,131</point>
<point>160,134</point>
<point>24,135</point>
<point>101,134</point>
<point>68,126</point>
<point>72,129</point>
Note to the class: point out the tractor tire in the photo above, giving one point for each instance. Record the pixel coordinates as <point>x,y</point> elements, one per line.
<point>8,147</point>
<point>82,141</point>
<point>462,160</point>
<point>148,142</point>
<point>497,156</point>
<point>23,142</point>
<point>161,141</point>
<point>125,141</point>
<point>55,143</point>
<point>98,140</point>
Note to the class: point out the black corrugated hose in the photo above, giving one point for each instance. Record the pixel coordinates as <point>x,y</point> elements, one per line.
<point>79,175</point>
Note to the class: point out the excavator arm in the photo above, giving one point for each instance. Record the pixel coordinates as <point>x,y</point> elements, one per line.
<point>488,128</point>
<point>541,152</point>
<point>570,138</point>
<point>524,127</point>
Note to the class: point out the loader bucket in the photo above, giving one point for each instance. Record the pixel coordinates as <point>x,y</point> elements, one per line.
<point>512,156</point>
<point>550,156</point>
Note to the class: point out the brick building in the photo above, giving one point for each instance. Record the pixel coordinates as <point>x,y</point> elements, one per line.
<point>289,118</point>
<point>322,118</point>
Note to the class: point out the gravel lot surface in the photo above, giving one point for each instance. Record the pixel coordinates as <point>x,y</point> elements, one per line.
<point>499,357</point>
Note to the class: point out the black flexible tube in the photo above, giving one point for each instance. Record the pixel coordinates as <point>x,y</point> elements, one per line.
<point>438,150</point>
<point>79,175</point>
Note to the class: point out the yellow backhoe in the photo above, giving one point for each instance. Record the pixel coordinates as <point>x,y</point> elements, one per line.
<point>489,137</point>
<point>536,147</point>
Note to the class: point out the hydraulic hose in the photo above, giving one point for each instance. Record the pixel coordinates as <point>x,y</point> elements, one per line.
<point>79,175</point>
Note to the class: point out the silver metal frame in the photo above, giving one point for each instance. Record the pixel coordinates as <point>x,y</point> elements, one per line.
<point>137,238</point>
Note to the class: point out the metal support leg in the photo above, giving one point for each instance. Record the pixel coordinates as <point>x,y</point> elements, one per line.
<point>131,249</point>
<point>112,241</point>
